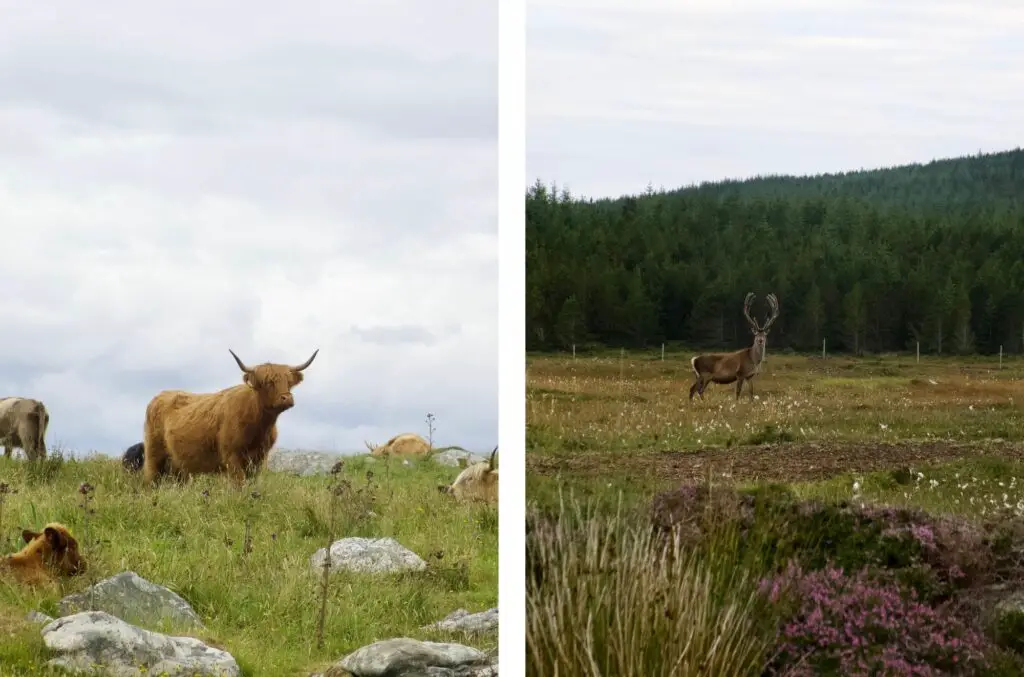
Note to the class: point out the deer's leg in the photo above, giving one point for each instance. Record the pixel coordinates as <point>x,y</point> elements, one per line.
<point>698,388</point>
<point>751,382</point>
<point>739,387</point>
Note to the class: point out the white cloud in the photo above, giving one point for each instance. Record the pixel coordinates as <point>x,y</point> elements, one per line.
<point>180,179</point>
<point>622,94</point>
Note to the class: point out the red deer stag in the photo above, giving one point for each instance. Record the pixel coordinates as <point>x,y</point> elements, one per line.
<point>740,366</point>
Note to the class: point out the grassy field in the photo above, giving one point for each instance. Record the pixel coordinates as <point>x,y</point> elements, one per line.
<point>606,433</point>
<point>262,607</point>
<point>640,403</point>
<point>626,422</point>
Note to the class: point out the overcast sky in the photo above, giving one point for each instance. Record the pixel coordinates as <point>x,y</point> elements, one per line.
<point>178,179</point>
<point>622,93</point>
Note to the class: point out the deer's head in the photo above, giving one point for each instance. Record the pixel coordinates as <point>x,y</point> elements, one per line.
<point>760,332</point>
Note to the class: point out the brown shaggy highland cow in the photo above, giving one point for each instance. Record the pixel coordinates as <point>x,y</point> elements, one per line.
<point>54,552</point>
<point>405,444</point>
<point>228,431</point>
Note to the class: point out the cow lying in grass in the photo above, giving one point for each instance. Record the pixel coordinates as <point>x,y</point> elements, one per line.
<point>406,444</point>
<point>229,431</point>
<point>46,555</point>
<point>478,482</point>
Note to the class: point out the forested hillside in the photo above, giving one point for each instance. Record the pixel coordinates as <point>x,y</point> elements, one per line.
<point>873,260</point>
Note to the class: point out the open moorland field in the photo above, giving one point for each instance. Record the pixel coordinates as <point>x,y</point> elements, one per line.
<point>262,606</point>
<point>626,421</point>
<point>858,516</point>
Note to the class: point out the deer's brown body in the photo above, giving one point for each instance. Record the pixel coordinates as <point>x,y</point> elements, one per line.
<point>738,366</point>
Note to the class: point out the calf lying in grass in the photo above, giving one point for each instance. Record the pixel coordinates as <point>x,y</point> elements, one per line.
<point>54,552</point>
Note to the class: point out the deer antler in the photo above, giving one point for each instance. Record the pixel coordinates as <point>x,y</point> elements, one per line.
<point>773,302</point>
<point>746,312</point>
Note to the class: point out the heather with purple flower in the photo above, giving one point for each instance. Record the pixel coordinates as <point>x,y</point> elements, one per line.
<point>863,624</point>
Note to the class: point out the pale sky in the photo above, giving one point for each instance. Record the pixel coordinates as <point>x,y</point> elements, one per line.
<point>625,93</point>
<point>178,179</point>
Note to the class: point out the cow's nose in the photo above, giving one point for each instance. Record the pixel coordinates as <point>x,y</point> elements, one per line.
<point>287,400</point>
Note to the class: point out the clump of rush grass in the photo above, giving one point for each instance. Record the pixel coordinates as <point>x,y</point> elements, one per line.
<point>606,596</point>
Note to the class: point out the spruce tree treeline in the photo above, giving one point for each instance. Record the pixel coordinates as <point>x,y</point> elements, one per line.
<point>873,260</point>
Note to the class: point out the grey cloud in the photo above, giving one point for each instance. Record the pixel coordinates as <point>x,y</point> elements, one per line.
<point>383,91</point>
<point>183,182</point>
<point>395,335</point>
<point>627,94</point>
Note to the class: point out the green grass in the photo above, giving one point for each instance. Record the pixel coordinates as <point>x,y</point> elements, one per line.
<point>977,487</point>
<point>262,607</point>
<point>973,487</point>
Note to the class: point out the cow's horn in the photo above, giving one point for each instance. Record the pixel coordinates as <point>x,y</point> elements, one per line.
<point>307,362</point>
<point>240,364</point>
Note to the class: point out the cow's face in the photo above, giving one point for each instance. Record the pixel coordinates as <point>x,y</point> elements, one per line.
<point>273,383</point>
<point>58,548</point>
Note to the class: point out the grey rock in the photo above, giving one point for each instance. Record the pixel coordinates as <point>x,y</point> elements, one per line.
<point>94,642</point>
<point>453,457</point>
<point>37,617</point>
<point>461,620</point>
<point>368,555</point>
<point>302,463</point>
<point>135,600</point>
<point>411,657</point>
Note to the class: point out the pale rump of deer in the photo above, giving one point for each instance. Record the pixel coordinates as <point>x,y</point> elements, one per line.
<point>739,366</point>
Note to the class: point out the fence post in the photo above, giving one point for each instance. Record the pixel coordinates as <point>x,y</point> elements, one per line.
<point>574,351</point>
<point>918,352</point>
<point>662,352</point>
<point>823,349</point>
<point>1000,356</point>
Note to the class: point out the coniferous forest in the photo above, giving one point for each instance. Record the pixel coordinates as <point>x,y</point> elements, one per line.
<point>871,260</point>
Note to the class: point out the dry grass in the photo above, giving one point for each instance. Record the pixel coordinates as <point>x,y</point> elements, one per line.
<point>640,403</point>
<point>614,599</point>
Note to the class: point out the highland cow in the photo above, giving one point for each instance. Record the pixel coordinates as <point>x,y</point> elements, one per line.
<point>229,431</point>
<point>23,424</point>
<point>478,482</point>
<point>405,444</point>
<point>46,555</point>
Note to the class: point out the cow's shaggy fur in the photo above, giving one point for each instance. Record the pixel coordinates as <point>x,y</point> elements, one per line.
<point>23,423</point>
<point>133,457</point>
<point>405,444</point>
<point>229,431</point>
<point>46,555</point>
<point>478,482</point>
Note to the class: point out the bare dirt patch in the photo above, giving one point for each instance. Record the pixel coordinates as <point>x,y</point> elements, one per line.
<point>787,462</point>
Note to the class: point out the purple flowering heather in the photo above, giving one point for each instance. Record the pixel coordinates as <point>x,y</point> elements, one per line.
<point>860,625</point>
